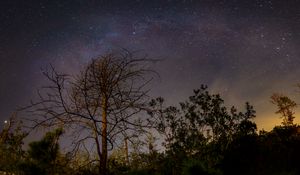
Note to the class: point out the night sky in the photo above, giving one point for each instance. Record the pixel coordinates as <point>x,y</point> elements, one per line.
<point>243,49</point>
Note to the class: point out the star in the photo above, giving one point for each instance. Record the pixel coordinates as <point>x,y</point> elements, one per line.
<point>224,44</point>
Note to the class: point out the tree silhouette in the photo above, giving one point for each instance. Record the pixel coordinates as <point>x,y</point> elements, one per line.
<point>202,128</point>
<point>43,155</point>
<point>11,142</point>
<point>98,105</point>
<point>285,107</point>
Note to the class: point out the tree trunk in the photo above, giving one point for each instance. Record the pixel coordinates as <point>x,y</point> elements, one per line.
<point>98,151</point>
<point>126,151</point>
<point>103,159</point>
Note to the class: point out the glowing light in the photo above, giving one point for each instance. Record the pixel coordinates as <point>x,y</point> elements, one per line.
<point>5,121</point>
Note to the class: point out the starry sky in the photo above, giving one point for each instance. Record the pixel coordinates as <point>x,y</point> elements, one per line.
<point>244,50</point>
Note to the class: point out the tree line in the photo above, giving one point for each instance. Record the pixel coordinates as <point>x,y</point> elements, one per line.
<point>112,126</point>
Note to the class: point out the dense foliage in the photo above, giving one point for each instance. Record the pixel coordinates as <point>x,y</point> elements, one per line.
<point>201,136</point>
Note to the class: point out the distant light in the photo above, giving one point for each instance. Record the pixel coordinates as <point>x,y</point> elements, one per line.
<point>5,121</point>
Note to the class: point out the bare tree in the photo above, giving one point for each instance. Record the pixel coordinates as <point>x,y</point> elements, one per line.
<point>98,105</point>
<point>285,107</point>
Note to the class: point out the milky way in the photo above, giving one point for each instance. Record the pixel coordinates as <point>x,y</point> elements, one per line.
<point>243,50</point>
